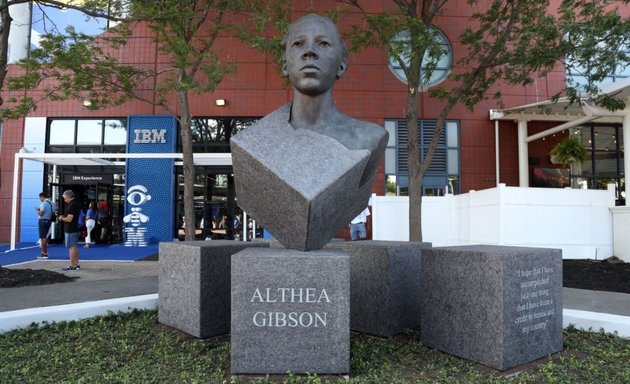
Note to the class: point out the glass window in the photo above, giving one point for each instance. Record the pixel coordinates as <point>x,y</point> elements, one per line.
<point>61,132</point>
<point>212,135</point>
<point>390,160</point>
<point>115,132</point>
<point>61,149</point>
<point>390,185</point>
<point>453,184</point>
<point>452,166</point>
<point>444,167</point>
<point>206,130</point>
<point>99,135</point>
<point>578,71</point>
<point>89,132</point>
<point>442,64</point>
<point>604,162</point>
<point>390,126</point>
<point>452,134</point>
<point>86,149</point>
<point>605,138</point>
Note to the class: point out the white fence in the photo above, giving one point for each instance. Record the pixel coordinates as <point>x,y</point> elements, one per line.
<point>578,221</point>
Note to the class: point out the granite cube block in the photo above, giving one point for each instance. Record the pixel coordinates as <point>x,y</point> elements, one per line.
<point>290,312</point>
<point>194,285</point>
<point>274,175</point>
<point>500,306</point>
<point>385,294</point>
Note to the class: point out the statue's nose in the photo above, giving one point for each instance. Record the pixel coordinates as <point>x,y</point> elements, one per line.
<point>310,52</point>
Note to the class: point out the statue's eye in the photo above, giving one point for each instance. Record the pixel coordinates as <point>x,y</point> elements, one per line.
<point>297,44</point>
<point>324,43</point>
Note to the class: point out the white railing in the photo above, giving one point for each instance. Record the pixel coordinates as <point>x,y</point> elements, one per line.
<point>578,221</point>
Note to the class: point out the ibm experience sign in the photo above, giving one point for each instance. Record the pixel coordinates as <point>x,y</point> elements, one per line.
<point>149,202</point>
<point>74,178</point>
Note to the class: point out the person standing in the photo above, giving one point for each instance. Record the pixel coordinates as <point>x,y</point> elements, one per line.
<point>90,222</point>
<point>103,219</point>
<point>357,225</point>
<point>71,228</point>
<point>238,227</point>
<point>44,211</point>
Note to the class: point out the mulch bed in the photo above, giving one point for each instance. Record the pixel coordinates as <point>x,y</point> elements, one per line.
<point>581,274</point>
<point>596,275</point>
<point>13,278</point>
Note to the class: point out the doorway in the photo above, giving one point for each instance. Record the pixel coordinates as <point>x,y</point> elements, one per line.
<point>215,206</point>
<point>109,200</point>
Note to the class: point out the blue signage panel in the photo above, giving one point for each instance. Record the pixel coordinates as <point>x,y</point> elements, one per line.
<point>149,198</point>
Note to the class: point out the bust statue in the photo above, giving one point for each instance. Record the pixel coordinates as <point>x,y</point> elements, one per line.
<point>324,159</point>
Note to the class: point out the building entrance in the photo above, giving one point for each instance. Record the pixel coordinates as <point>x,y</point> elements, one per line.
<point>217,215</point>
<point>109,200</point>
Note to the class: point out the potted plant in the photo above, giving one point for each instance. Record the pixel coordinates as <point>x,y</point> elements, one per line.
<point>567,151</point>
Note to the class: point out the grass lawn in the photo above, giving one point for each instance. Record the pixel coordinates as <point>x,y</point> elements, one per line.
<point>134,348</point>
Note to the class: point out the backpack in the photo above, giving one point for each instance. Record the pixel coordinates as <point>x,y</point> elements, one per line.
<point>81,222</point>
<point>53,215</point>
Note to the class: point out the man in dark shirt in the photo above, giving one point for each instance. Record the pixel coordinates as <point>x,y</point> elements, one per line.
<point>71,230</point>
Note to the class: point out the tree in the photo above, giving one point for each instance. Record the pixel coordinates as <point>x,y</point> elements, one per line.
<point>106,9</point>
<point>84,68</point>
<point>506,42</point>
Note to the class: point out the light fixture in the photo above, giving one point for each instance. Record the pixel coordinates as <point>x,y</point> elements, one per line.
<point>87,103</point>
<point>220,102</point>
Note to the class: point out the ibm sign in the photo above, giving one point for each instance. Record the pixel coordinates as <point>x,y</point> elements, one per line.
<point>150,196</point>
<point>149,136</point>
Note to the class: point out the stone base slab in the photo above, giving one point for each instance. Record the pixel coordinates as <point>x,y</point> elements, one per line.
<point>194,285</point>
<point>290,312</point>
<point>386,293</point>
<point>500,306</point>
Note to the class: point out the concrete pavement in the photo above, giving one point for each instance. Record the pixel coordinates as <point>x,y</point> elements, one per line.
<point>97,280</point>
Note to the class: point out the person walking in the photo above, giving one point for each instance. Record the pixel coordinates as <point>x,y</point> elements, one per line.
<point>44,211</point>
<point>90,222</point>
<point>71,228</point>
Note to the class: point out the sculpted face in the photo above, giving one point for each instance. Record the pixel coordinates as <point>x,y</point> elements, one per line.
<point>314,55</point>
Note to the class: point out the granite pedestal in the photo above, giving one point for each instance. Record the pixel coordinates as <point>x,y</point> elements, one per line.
<point>194,285</point>
<point>385,278</point>
<point>290,312</point>
<point>497,305</point>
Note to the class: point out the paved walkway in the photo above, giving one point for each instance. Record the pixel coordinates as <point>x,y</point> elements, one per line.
<point>597,301</point>
<point>98,280</point>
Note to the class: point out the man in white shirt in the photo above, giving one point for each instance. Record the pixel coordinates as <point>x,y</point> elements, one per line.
<point>357,225</point>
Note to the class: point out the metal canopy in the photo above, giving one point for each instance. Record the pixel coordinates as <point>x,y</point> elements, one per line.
<point>81,161</point>
<point>563,111</point>
<point>103,159</point>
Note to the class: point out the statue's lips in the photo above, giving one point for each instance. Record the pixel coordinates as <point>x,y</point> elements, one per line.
<point>310,68</point>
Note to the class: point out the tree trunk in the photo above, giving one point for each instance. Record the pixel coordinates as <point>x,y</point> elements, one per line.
<point>5,28</point>
<point>188,165</point>
<point>413,161</point>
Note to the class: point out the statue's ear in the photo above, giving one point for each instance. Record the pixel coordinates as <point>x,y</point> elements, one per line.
<point>343,67</point>
<point>285,70</point>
